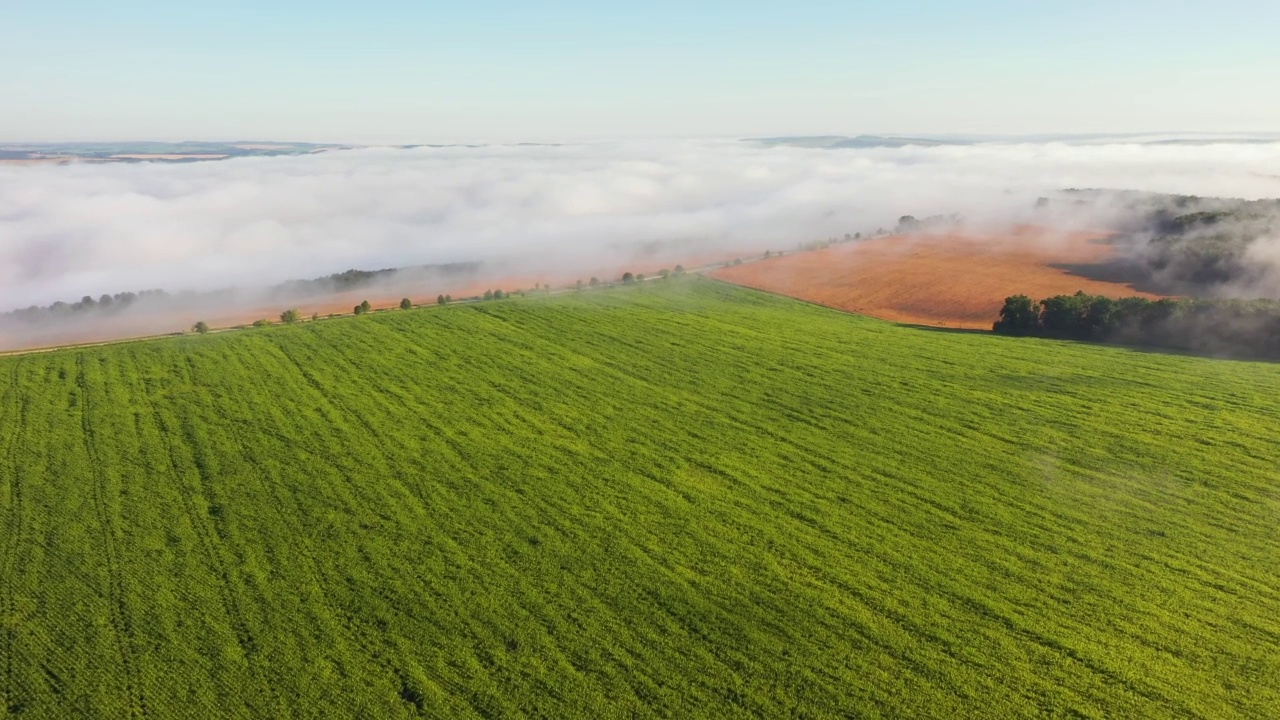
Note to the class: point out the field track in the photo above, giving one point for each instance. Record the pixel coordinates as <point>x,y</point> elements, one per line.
<point>957,281</point>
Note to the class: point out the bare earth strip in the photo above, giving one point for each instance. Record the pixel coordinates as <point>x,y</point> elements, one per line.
<point>945,280</point>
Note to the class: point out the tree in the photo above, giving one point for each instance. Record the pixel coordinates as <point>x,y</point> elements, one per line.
<point>1063,315</point>
<point>577,285</point>
<point>362,308</point>
<point>664,273</point>
<point>441,301</point>
<point>406,303</point>
<point>261,323</point>
<point>498,295</point>
<point>1019,316</point>
<point>315,316</point>
<point>639,277</point>
<point>448,299</point>
<point>628,278</point>
<point>679,270</point>
<point>595,281</point>
<point>1098,317</point>
<point>290,316</point>
<point>200,327</point>
<point>488,294</point>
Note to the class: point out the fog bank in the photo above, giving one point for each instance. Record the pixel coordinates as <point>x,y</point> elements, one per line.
<point>89,229</point>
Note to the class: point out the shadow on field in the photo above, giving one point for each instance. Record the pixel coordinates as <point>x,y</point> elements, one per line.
<point>1121,271</point>
<point>1146,349</point>
<point>945,329</point>
<point>1207,354</point>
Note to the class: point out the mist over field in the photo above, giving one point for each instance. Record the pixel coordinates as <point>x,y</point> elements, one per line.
<point>88,229</point>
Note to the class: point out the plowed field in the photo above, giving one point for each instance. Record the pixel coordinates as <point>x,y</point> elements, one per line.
<point>950,280</point>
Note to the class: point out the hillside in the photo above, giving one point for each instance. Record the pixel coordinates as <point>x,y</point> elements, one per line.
<point>1183,244</point>
<point>61,153</point>
<point>677,499</point>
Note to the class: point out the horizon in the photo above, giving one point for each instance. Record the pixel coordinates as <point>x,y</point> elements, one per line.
<point>1081,138</point>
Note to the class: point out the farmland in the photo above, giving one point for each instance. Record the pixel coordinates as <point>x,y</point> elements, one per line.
<point>951,280</point>
<point>675,499</point>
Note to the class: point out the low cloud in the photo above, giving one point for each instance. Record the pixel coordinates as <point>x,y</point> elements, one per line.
<point>89,229</point>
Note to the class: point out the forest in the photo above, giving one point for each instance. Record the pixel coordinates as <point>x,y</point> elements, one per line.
<point>1188,245</point>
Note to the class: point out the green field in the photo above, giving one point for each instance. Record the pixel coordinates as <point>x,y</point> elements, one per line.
<point>680,499</point>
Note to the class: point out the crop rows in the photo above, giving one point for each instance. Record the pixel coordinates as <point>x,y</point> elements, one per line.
<point>675,499</point>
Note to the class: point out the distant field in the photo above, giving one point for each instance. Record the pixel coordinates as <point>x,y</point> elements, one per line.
<point>679,499</point>
<point>951,280</point>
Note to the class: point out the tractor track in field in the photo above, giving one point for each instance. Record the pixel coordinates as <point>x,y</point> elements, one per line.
<point>119,611</point>
<point>355,631</point>
<point>314,573</point>
<point>207,545</point>
<point>10,558</point>
<point>245,637</point>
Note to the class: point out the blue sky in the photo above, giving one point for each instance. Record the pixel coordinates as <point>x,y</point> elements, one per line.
<point>399,71</point>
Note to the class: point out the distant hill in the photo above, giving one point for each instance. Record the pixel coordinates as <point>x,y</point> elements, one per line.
<point>826,142</point>
<point>154,151</point>
<point>859,141</point>
<point>1188,245</point>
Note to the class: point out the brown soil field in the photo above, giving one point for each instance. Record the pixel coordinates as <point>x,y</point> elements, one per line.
<point>956,280</point>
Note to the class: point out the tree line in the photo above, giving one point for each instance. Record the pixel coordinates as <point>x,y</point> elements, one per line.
<point>1237,328</point>
<point>88,304</point>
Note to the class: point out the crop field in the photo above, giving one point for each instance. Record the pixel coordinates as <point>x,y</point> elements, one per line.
<point>676,499</point>
<point>957,281</point>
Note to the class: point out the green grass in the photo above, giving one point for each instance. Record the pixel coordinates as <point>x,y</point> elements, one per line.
<point>679,499</point>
